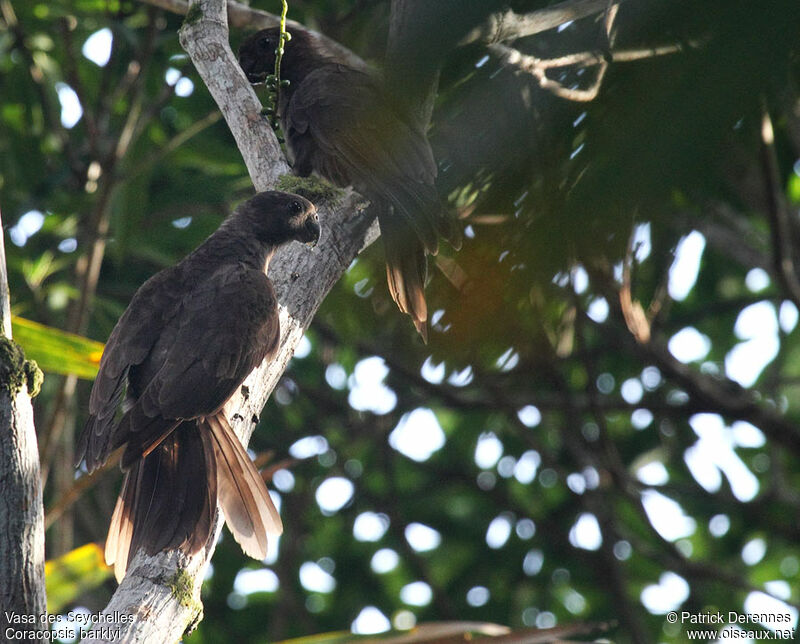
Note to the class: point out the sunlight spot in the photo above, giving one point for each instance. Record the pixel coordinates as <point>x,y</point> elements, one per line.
<point>421,537</point>
<point>315,579</point>
<point>787,316</point>
<point>598,310</point>
<point>780,588</point>
<point>71,110</point>
<point>370,621</point>
<point>756,320</point>
<point>184,87</point>
<point>632,391</point>
<point>757,324</point>
<point>283,480</point>
<point>641,242</point>
<point>488,450</point>
<point>336,376</point>
<point>303,348</point>
<point>689,345</point>
<point>68,245</point>
<point>754,551</point>
<point>478,596</point>
<point>367,391</point>
<point>418,435</point>
<point>525,469</point>
<point>370,526</point>
<point>308,447</point>
<point>718,525</point>
<point>757,279</point>
<point>529,416</point>
<point>525,529</point>
<point>745,362</point>
<point>585,533</point>
<point>172,76</point>
<point>671,591</point>
<point>508,360</point>
<point>181,222</point>
<point>667,516</point>
<point>433,373</point>
<point>28,225</point>
<point>404,620</point>
<point>333,494</point>
<point>417,593</point>
<point>623,550</point>
<point>684,270</point>
<point>653,474</point>
<point>713,453</point>
<point>576,483</point>
<point>461,378</point>
<point>533,562</point>
<point>498,532</point>
<point>580,279</point>
<point>641,418</point>
<point>758,603</point>
<point>385,560</point>
<point>747,435</point>
<point>248,582</point>
<point>273,550</point>
<point>97,47</point>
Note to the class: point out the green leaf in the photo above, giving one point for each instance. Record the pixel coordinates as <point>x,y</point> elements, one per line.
<point>57,351</point>
<point>793,189</point>
<point>73,574</point>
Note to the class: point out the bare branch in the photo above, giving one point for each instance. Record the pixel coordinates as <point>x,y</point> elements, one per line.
<point>780,224</point>
<point>509,25</point>
<point>161,592</point>
<point>538,66</point>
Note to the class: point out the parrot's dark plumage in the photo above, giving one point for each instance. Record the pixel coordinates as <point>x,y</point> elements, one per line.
<point>190,336</point>
<point>339,122</point>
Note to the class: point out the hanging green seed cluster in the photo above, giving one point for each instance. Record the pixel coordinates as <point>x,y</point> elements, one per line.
<point>273,81</point>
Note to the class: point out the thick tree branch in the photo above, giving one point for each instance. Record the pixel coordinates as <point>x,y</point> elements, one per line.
<point>22,590</point>
<point>162,592</point>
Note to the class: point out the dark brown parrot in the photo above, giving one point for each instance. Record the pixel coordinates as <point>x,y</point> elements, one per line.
<point>339,122</point>
<point>188,339</point>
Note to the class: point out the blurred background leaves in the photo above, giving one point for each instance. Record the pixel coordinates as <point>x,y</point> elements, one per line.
<point>604,426</point>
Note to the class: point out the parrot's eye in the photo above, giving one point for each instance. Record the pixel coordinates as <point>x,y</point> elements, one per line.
<point>296,207</point>
<point>265,43</point>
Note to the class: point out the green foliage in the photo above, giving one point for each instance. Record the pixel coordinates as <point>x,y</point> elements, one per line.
<point>548,413</point>
<point>73,574</point>
<point>57,351</point>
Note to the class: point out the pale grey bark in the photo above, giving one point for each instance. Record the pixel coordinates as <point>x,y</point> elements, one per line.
<point>161,593</point>
<point>22,589</point>
<point>5,299</point>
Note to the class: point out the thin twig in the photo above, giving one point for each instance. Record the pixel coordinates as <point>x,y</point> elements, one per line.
<point>783,235</point>
<point>538,66</point>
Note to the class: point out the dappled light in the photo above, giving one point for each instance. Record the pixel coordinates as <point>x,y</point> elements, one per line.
<point>595,422</point>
